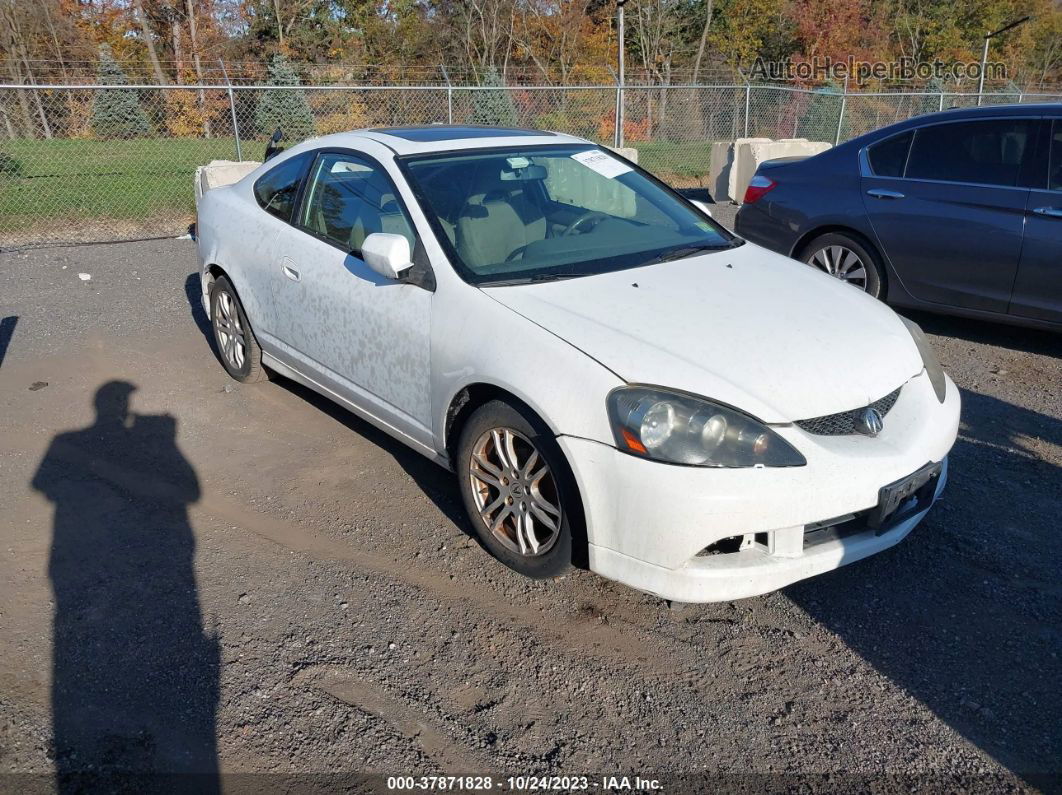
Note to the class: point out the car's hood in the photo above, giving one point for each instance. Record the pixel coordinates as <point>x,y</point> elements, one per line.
<point>746,327</point>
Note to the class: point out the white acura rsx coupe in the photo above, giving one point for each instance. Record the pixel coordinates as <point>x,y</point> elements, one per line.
<point>617,381</point>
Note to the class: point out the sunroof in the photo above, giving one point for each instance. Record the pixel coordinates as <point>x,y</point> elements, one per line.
<point>446,132</point>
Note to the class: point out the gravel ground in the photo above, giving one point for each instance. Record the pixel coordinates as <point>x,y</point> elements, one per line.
<point>245,579</point>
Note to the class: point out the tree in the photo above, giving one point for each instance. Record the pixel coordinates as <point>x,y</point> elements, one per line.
<point>493,107</point>
<point>116,113</point>
<point>287,110</point>
<point>149,41</point>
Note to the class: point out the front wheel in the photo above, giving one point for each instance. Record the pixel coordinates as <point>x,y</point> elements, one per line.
<point>517,490</point>
<point>847,259</point>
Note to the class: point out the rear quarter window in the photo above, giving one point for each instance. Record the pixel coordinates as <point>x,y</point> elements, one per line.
<point>277,189</point>
<point>888,158</point>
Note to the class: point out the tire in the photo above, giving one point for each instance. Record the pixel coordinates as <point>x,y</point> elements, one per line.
<point>525,495</point>
<point>832,252</point>
<point>237,347</point>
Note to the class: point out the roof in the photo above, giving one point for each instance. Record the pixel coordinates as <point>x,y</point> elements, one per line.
<point>445,137</point>
<point>454,132</point>
<point>1048,109</point>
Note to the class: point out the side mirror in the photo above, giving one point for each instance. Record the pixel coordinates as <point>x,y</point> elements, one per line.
<point>702,206</point>
<point>387,254</point>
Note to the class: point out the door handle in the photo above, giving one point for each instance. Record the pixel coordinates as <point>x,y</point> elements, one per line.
<point>1050,212</point>
<point>881,193</point>
<point>291,273</point>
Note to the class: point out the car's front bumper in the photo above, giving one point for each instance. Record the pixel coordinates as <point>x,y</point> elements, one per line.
<point>649,523</point>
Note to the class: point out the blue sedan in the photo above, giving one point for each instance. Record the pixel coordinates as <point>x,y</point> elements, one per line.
<point>958,212</point>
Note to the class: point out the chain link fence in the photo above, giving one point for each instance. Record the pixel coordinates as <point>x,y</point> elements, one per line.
<point>106,163</point>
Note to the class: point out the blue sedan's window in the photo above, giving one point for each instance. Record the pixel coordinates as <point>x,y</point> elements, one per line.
<point>1055,175</point>
<point>976,152</point>
<point>889,157</point>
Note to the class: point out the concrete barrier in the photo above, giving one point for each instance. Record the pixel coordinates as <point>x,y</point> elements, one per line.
<point>221,172</point>
<point>721,168</point>
<point>734,164</point>
<point>628,152</point>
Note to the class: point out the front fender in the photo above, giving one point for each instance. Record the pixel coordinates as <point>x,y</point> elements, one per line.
<point>476,340</point>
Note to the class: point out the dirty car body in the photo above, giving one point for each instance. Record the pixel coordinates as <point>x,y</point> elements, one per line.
<point>729,424</point>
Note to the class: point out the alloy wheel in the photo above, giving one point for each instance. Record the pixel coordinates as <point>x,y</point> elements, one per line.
<point>842,263</point>
<point>230,333</point>
<point>515,492</point>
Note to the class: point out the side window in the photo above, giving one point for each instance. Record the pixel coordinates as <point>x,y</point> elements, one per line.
<point>348,199</point>
<point>1054,179</point>
<point>888,157</point>
<point>277,189</point>
<point>987,152</point>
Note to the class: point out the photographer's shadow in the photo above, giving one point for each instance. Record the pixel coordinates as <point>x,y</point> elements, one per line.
<point>135,677</point>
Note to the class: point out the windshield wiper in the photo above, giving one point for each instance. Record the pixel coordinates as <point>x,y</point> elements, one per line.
<point>688,251</point>
<point>552,277</point>
<point>538,277</point>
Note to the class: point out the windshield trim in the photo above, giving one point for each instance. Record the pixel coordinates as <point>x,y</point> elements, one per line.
<point>483,280</point>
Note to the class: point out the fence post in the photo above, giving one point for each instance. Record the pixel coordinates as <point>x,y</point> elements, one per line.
<point>449,96</point>
<point>840,116</point>
<point>941,107</point>
<point>748,97</point>
<point>232,109</point>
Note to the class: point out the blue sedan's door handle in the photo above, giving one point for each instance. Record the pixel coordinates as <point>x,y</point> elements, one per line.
<point>881,193</point>
<point>1050,212</point>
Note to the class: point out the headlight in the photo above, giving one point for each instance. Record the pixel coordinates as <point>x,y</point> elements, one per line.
<point>929,358</point>
<point>682,429</point>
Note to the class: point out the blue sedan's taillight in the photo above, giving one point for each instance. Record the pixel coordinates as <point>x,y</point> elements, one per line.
<point>758,186</point>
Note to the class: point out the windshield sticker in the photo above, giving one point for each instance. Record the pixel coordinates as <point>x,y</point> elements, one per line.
<point>518,162</point>
<point>603,164</point>
<point>704,226</point>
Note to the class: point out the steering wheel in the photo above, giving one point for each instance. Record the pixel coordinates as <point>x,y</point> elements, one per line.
<point>590,215</point>
<point>516,252</point>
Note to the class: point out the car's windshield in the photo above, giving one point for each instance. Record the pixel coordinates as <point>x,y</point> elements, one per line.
<point>536,213</point>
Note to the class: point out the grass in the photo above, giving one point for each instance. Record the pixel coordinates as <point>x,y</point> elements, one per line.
<point>45,186</point>
<point>675,162</point>
<point>129,180</point>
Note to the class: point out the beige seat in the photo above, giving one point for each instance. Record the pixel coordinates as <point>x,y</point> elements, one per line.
<point>494,224</point>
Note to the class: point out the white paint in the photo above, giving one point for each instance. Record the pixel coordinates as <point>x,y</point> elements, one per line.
<point>85,276</point>
<point>745,327</point>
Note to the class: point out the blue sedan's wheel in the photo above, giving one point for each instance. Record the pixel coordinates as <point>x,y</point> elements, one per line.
<point>846,259</point>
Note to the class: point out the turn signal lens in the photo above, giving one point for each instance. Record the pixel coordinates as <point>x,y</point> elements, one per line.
<point>758,186</point>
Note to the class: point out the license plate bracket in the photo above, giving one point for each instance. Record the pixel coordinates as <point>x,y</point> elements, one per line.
<point>895,501</point>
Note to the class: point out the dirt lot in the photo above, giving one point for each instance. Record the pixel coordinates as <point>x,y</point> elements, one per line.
<point>246,579</point>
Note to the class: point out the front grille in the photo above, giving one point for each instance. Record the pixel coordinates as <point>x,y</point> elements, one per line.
<point>843,423</point>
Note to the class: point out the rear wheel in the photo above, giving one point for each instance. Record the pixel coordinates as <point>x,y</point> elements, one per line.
<point>517,489</point>
<point>237,347</point>
<point>847,259</point>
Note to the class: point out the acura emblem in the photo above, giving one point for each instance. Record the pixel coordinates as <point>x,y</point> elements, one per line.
<point>869,422</point>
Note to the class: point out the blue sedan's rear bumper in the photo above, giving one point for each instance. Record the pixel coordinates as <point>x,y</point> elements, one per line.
<point>755,224</point>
